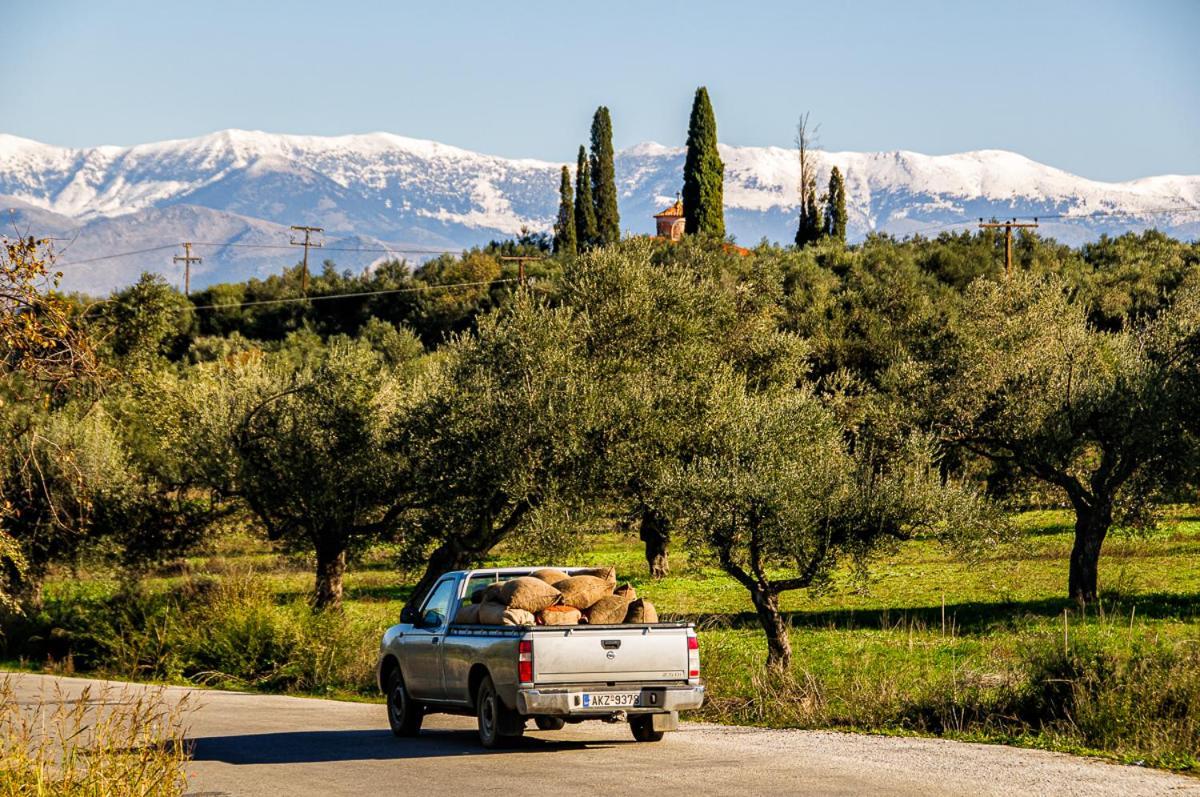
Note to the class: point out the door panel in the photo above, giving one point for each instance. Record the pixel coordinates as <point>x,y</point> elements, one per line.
<point>423,645</point>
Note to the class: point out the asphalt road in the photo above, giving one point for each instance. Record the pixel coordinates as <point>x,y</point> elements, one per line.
<point>250,744</point>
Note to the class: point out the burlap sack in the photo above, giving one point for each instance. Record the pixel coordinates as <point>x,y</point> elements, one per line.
<point>499,614</point>
<point>609,610</point>
<point>467,615</point>
<point>518,617</point>
<point>627,592</point>
<point>608,574</point>
<point>549,575</point>
<point>582,591</point>
<point>492,593</point>
<point>529,593</point>
<point>641,611</point>
<point>560,615</point>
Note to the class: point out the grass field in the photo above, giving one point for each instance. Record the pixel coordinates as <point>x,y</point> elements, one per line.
<point>987,650</point>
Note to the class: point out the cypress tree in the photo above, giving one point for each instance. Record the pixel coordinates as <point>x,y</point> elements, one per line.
<point>835,207</point>
<point>604,180</point>
<point>585,211</point>
<point>564,228</point>
<point>703,172</point>
<point>810,228</point>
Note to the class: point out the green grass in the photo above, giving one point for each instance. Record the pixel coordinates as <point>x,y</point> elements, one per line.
<point>926,644</point>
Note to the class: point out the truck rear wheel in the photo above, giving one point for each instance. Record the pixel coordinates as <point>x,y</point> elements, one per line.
<point>549,723</point>
<point>404,715</point>
<point>642,726</point>
<point>498,725</point>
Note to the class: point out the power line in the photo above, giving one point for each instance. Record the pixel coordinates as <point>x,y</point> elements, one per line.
<point>390,250</point>
<point>359,294</point>
<point>118,254</point>
<point>1189,210</point>
<point>406,250</point>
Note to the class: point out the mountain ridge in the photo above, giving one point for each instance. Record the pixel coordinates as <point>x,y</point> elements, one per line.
<point>400,191</point>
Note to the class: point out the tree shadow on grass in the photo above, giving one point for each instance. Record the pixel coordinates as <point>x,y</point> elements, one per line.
<point>971,616</point>
<point>299,747</point>
<point>378,592</point>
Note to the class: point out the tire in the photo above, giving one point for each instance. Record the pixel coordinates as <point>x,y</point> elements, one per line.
<point>549,723</point>
<point>642,726</point>
<point>404,714</point>
<point>493,715</point>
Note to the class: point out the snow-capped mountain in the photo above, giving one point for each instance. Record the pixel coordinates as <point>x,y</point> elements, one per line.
<point>385,192</point>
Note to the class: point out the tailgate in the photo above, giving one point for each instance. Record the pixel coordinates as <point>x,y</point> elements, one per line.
<point>609,653</point>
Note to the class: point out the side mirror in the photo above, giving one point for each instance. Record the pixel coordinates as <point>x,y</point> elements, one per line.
<point>408,615</point>
<point>431,619</point>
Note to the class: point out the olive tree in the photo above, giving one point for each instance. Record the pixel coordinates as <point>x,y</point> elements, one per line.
<point>654,329</point>
<point>44,356</point>
<point>778,497</point>
<point>1107,417</point>
<point>77,490</point>
<point>301,440</point>
<point>313,464</point>
<point>56,471</point>
<point>502,429</point>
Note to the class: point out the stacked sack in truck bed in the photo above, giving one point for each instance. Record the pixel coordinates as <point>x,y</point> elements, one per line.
<point>552,597</point>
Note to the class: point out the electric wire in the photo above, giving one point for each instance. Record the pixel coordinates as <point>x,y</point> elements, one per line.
<point>358,294</point>
<point>407,250</point>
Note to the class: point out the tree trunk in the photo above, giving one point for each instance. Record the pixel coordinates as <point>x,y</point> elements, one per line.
<point>656,533</point>
<point>1091,527</point>
<point>446,557</point>
<point>331,567</point>
<point>459,553</point>
<point>779,646</point>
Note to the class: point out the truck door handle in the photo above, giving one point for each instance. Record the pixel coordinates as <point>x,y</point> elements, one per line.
<point>433,640</point>
<point>610,644</point>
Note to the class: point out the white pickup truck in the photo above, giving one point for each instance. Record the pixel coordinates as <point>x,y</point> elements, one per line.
<point>504,675</point>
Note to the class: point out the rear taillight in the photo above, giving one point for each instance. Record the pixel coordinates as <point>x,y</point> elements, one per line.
<point>693,657</point>
<point>525,661</point>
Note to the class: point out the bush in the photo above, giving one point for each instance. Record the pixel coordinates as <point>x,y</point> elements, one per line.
<point>1130,694</point>
<point>229,632</point>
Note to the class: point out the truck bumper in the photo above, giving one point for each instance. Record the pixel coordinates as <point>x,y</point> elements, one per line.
<point>564,702</point>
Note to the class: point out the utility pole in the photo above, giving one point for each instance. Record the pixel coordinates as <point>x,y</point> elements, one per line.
<point>521,260</point>
<point>308,231</point>
<point>1008,228</point>
<point>187,261</point>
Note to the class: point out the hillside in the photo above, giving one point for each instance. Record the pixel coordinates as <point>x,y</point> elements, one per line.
<point>381,192</point>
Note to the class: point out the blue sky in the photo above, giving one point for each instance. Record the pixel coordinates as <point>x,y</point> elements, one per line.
<point>1103,89</point>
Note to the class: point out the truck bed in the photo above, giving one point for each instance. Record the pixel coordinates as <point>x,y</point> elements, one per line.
<point>611,654</point>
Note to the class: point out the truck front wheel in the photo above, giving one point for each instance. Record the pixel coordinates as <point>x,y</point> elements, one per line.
<point>498,724</point>
<point>642,726</point>
<point>404,715</point>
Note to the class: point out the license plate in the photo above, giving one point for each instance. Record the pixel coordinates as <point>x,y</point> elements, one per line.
<point>611,699</point>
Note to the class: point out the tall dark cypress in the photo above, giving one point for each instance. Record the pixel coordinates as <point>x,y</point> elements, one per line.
<point>604,180</point>
<point>815,225</point>
<point>585,210</point>
<point>565,242</point>
<point>835,207</point>
<point>811,227</point>
<point>703,172</point>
